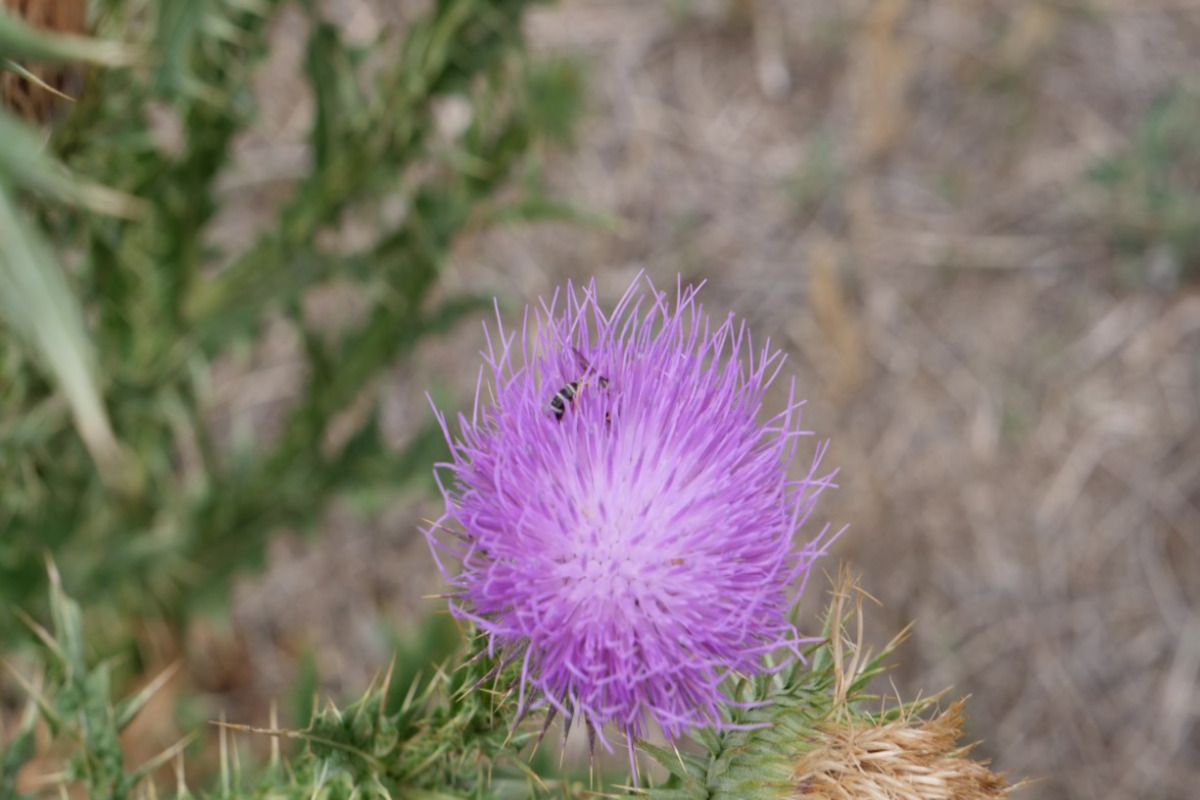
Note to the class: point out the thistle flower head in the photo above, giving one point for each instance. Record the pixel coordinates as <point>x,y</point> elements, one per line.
<point>622,514</point>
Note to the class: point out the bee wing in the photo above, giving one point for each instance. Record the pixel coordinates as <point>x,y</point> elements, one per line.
<point>581,360</point>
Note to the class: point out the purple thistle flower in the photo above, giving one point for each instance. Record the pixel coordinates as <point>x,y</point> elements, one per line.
<point>623,521</point>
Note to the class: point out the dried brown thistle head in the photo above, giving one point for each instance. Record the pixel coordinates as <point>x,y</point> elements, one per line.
<point>855,757</point>
<point>909,759</point>
<point>42,91</point>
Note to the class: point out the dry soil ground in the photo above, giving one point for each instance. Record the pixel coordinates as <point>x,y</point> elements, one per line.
<point>898,193</point>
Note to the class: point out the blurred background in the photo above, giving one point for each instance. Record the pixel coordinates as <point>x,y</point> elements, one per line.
<point>974,226</point>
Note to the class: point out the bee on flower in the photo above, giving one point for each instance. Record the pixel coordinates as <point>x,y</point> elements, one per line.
<point>636,543</point>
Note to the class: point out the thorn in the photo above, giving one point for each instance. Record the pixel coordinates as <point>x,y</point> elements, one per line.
<point>181,789</point>
<point>223,749</point>
<point>678,755</point>
<point>52,571</point>
<point>165,756</point>
<point>387,676</point>
<point>274,719</point>
<point>491,673</point>
<point>58,779</point>
<point>371,686</point>
<point>286,733</point>
<point>591,755</point>
<point>562,750</point>
<point>529,773</point>
<point>46,637</point>
<point>35,694</point>
<point>319,781</point>
<point>237,760</point>
<point>139,701</point>
<point>410,696</point>
<point>550,715</point>
<point>384,690</point>
<point>437,525</point>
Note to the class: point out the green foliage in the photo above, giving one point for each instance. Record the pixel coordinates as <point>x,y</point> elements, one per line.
<point>19,41</point>
<point>108,458</point>
<point>556,98</point>
<point>449,735</point>
<point>79,711</point>
<point>1151,192</point>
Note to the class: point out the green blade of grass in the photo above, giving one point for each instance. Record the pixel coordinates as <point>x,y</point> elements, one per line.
<point>27,164</point>
<point>19,40</point>
<point>37,301</point>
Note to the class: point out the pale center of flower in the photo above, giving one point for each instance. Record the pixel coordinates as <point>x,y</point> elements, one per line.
<point>605,572</point>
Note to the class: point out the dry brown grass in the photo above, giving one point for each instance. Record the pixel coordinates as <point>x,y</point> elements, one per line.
<point>896,192</point>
